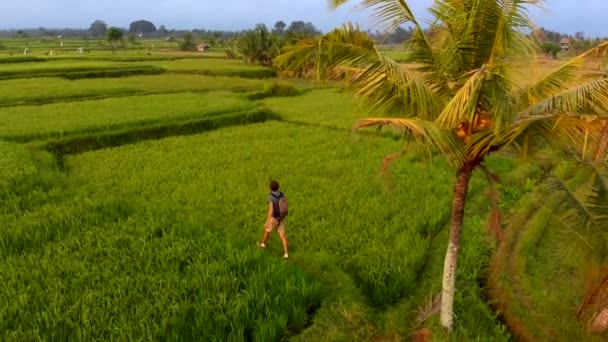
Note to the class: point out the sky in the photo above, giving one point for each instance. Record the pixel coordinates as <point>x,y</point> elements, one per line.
<point>567,16</point>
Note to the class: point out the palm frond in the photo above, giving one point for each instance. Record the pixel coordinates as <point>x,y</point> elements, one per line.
<point>427,132</point>
<point>465,102</point>
<point>345,46</point>
<point>392,13</point>
<point>510,39</point>
<point>386,87</point>
<point>602,144</point>
<point>561,131</point>
<point>477,32</point>
<point>557,87</point>
<point>429,63</point>
<point>383,84</point>
<point>591,97</point>
<point>574,208</point>
<point>598,201</point>
<point>585,208</point>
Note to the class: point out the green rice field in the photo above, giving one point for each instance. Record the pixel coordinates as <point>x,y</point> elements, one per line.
<point>154,238</point>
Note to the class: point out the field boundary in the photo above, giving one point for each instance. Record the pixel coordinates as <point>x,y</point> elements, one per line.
<point>254,74</point>
<point>125,59</point>
<point>81,73</point>
<point>110,94</point>
<point>91,142</point>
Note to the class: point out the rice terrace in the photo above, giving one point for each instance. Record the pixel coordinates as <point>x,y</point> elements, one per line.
<point>446,174</point>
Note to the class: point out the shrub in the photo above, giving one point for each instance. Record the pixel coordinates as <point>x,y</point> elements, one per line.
<point>551,48</point>
<point>275,89</point>
<point>188,44</point>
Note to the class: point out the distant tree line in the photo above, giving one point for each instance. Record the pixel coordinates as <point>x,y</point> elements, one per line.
<point>551,41</point>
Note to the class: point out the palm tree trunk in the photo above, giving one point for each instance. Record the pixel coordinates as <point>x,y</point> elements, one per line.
<point>592,298</point>
<point>461,187</point>
<point>599,326</point>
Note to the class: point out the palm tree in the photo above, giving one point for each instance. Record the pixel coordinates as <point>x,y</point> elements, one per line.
<point>259,46</point>
<point>463,97</point>
<point>584,207</point>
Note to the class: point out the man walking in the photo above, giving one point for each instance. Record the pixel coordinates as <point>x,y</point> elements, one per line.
<point>275,219</point>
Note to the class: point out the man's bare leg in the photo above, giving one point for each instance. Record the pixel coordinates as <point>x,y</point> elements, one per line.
<point>264,239</point>
<point>285,243</point>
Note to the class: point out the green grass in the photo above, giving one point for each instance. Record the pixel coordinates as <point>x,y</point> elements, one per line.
<point>82,67</point>
<point>399,55</point>
<point>339,205</point>
<point>95,46</point>
<point>166,128</point>
<point>49,90</point>
<point>15,162</point>
<point>59,65</point>
<point>329,107</point>
<point>114,272</point>
<point>75,70</point>
<point>344,220</point>
<point>216,67</point>
<point>275,89</point>
<point>156,239</point>
<point>56,120</point>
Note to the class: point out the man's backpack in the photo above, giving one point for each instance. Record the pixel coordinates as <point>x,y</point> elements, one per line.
<point>280,209</point>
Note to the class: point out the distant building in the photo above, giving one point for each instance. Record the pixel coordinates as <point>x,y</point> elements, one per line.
<point>203,48</point>
<point>565,43</point>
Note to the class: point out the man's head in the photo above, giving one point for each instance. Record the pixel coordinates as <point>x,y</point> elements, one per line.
<point>274,185</point>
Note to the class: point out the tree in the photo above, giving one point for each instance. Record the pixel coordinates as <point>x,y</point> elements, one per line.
<point>551,48</point>
<point>114,35</point>
<point>580,35</point>
<point>279,28</point>
<point>188,43</point>
<point>583,208</point>
<point>22,34</point>
<point>465,102</point>
<point>548,35</point>
<point>142,26</point>
<point>299,30</point>
<point>258,46</point>
<point>400,35</point>
<point>98,28</point>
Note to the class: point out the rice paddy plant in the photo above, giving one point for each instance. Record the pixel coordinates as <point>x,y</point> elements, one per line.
<point>275,89</point>
<point>29,91</point>
<point>75,69</point>
<point>57,120</point>
<point>91,142</point>
<point>15,162</point>
<point>58,65</point>
<point>340,206</point>
<point>217,67</point>
<point>126,274</point>
<point>155,240</point>
<point>323,107</point>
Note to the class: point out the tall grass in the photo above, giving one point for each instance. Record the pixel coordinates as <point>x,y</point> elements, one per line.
<point>156,239</point>
<point>30,91</point>
<point>341,210</point>
<point>15,162</point>
<point>75,70</point>
<point>25,123</point>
